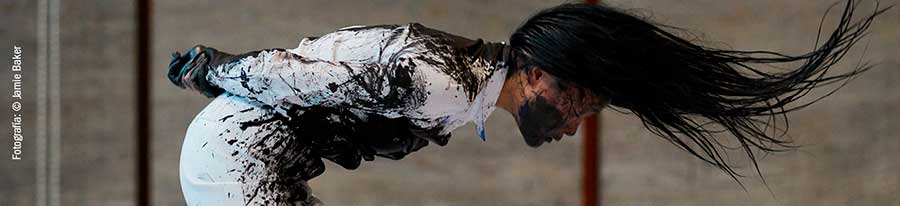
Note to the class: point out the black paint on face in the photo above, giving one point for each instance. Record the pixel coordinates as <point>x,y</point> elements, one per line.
<point>539,121</point>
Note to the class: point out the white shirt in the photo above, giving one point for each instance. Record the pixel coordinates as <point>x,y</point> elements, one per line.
<point>437,80</point>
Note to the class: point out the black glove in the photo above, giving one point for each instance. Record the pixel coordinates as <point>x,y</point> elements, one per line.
<point>188,70</point>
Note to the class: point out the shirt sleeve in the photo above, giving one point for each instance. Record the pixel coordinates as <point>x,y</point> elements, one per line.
<point>395,71</point>
<point>274,77</point>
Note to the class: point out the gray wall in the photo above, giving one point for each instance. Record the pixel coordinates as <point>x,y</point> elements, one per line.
<point>851,137</point>
<point>501,171</point>
<point>18,177</point>
<point>96,154</point>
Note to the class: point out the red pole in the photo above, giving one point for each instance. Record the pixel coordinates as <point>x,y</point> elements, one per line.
<point>590,162</point>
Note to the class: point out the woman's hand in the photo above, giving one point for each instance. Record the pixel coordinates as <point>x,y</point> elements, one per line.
<point>188,70</point>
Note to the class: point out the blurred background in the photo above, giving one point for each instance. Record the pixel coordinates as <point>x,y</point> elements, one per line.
<point>82,115</point>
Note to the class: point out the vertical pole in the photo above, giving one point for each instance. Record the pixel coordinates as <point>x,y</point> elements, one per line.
<point>143,102</point>
<point>590,162</point>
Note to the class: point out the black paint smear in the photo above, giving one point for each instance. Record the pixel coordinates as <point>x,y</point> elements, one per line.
<point>374,78</point>
<point>458,54</point>
<point>228,62</point>
<point>332,87</point>
<point>244,83</point>
<point>247,110</point>
<point>537,119</point>
<point>226,117</point>
<point>367,81</point>
<point>361,28</point>
<point>256,122</point>
<point>292,148</point>
<point>350,139</point>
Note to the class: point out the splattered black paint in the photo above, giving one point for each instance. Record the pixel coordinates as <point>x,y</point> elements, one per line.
<point>538,119</point>
<point>293,153</point>
<point>453,54</point>
<point>288,146</point>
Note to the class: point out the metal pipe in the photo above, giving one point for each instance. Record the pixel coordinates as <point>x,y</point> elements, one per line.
<point>143,12</point>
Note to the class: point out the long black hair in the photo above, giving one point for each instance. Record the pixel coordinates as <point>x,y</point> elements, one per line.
<point>683,91</point>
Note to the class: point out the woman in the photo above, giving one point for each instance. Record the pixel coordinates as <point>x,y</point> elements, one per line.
<point>389,90</point>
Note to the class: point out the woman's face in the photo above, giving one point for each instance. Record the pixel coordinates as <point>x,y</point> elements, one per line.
<point>550,107</point>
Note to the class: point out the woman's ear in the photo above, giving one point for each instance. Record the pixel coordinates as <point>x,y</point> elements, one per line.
<point>534,75</point>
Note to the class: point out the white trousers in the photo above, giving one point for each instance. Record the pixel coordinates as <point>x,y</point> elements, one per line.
<point>216,167</point>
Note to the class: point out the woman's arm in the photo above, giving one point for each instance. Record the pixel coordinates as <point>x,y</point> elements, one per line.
<point>276,76</point>
<point>411,71</point>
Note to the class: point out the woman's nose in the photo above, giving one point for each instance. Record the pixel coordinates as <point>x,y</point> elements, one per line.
<point>572,128</point>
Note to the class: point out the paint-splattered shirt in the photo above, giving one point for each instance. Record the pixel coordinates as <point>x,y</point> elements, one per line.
<point>373,90</point>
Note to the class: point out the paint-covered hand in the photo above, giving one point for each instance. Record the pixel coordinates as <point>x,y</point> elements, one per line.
<point>188,70</point>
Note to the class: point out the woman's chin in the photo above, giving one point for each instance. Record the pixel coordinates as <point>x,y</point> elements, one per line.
<point>538,141</point>
<point>534,141</point>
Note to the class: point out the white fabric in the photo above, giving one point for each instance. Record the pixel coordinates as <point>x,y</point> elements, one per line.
<point>210,175</point>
